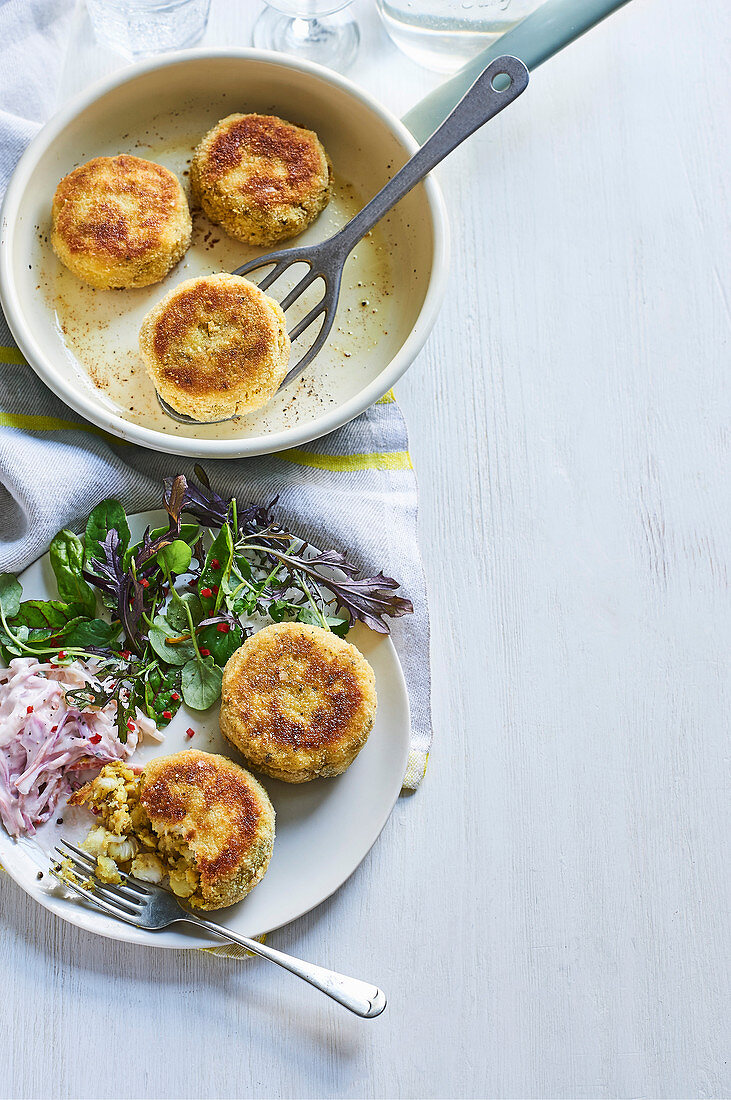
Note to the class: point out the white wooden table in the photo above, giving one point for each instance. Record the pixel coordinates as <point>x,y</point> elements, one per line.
<point>548,913</point>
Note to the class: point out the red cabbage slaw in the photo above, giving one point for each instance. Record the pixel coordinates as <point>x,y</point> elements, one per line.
<point>44,741</point>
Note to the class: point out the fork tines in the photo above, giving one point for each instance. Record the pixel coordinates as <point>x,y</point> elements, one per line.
<point>124,900</point>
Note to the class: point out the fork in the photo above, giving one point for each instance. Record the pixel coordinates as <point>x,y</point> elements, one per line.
<point>144,905</point>
<point>495,88</point>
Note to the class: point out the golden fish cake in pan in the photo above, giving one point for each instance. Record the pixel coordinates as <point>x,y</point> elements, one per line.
<point>261,178</point>
<point>120,222</point>
<point>215,347</point>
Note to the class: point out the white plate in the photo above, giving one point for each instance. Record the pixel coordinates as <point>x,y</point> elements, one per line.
<point>83,342</point>
<point>323,831</point>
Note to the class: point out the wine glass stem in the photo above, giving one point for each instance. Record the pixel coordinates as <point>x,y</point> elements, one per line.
<point>305,30</point>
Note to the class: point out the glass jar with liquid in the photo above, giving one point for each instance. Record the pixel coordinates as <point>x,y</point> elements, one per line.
<point>445,34</point>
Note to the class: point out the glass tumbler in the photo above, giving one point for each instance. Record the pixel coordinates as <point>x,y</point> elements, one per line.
<point>142,28</point>
<point>445,34</point>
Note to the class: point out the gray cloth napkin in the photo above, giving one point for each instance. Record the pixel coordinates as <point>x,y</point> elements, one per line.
<point>354,490</point>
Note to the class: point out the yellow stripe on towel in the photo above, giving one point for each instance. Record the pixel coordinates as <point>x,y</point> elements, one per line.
<point>51,424</point>
<point>10,354</point>
<point>386,460</point>
<point>234,950</point>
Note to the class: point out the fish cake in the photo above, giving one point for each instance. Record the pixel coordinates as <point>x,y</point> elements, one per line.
<point>120,222</point>
<point>298,702</point>
<point>220,812</point>
<point>215,347</point>
<point>261,178</point>
<point>195,817</point>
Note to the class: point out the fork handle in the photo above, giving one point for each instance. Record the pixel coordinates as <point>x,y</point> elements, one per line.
<point>478,105</point>
<point>362,998</point>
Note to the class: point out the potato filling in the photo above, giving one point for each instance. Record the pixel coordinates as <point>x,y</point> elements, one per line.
<point>125,839</point>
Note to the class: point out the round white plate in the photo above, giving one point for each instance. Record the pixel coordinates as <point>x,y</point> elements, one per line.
<point>323,831</point>
<point>83,342</point>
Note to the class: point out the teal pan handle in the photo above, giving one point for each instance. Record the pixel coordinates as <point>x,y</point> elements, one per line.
<point>539,36</point>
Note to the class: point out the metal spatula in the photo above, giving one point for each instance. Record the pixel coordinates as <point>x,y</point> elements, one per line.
<point>497,86</point>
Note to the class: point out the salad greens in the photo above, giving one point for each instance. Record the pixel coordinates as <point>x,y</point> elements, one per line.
<point>182,599</point>
<point>66,553</point>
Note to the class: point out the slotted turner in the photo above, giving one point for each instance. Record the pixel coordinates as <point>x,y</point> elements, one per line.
<point>495,88</point>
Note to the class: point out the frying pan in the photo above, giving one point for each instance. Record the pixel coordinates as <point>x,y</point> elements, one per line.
<point>83,342</point>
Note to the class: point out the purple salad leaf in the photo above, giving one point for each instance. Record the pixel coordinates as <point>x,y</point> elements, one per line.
<point>200,501</point>
<point>125,592</point>
<point>369,599</point>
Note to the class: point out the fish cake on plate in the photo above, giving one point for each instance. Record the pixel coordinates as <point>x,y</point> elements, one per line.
<point>215,347</point>
<point>298,702</point>
<point>261,178</point>
<point>195,817</point>
<point>120,222</point>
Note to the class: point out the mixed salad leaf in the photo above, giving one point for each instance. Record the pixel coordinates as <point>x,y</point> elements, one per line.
<point>182,599</point>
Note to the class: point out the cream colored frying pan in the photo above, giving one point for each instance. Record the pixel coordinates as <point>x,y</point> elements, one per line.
<point>83,342</point>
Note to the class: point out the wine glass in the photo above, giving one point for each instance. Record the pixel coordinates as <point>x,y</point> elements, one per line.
<point>319,30</point>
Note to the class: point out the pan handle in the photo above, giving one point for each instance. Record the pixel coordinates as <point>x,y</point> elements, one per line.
<point>539,36</point>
